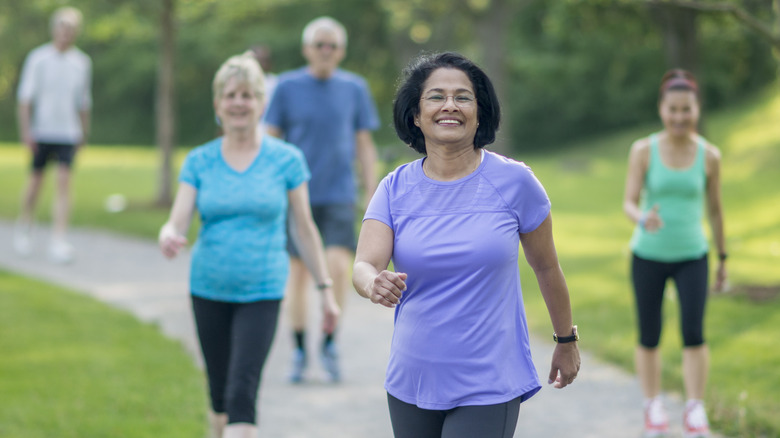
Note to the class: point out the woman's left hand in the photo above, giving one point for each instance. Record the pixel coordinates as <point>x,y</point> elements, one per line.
<point>565,364</point>
<point>721,277</point>
<point>330,311</point>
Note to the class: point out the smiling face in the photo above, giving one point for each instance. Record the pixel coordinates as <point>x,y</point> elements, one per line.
<point>679,111</point>
<point>64,33</point>
<point>448,109</point>
<point>239,108</point>
<point>324,53</point>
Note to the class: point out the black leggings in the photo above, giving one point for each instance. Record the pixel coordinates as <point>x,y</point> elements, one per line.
<point>489,421</point>
<point>235,339</point>
<point>690,278</point>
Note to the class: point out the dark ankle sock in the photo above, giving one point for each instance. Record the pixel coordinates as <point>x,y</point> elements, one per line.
<point>300,340</point>
<point>328,339</point>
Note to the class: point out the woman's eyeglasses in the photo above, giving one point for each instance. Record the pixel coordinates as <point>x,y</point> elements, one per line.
<point>461,100</point>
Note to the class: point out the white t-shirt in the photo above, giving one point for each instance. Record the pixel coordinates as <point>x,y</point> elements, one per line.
<point>57,84</point>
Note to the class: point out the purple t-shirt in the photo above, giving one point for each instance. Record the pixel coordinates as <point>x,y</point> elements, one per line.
<point>460,336</point>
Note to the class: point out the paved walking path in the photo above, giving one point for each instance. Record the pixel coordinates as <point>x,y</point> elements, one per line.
<point>131,274</point>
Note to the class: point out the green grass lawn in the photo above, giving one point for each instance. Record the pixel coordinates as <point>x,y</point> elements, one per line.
<point>99,172</point>
<point>74,367</point>
<point>585,182</point>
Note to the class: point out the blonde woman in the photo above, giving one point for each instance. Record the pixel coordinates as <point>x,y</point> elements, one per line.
<point>242,185</point>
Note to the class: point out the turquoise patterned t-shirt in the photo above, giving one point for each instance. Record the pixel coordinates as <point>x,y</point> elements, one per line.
<point>240,253</point>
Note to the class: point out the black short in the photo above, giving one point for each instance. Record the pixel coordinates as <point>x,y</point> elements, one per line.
<point>63,153</point>
<point>336,223</point>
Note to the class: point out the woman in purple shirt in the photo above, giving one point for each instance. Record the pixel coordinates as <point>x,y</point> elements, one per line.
<point>452,222</point>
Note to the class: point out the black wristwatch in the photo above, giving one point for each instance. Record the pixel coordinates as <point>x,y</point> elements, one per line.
<point>723,256</point>
<point>566,339</point>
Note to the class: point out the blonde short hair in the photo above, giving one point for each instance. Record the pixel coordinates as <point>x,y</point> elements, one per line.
<point>67,15</point>
<point>245,68</point>
<point>327,24</point>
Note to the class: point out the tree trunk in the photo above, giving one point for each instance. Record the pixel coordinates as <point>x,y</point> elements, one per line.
<point>492,29</point>
<point>164,106</point>
<point>680,36</point>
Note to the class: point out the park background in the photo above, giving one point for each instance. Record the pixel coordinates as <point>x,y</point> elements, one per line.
<point>578,83</point>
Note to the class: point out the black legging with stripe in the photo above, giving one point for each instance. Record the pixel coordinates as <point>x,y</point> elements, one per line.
<point>690,278</point>
<point>235,339</point>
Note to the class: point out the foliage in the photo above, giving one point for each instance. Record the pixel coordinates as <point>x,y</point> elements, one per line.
<point>74,367</point>
<point>586,65</point>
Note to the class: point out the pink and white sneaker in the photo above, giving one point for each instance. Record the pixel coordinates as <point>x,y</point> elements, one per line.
<point>695,424</point>
<point>656,420</point>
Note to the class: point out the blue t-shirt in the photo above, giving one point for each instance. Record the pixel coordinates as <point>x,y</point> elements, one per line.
<point>240,255</point>
<point>321,117</point>
<point>460,336</point>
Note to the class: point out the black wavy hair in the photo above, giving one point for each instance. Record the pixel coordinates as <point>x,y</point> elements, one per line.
<point>406,105</point>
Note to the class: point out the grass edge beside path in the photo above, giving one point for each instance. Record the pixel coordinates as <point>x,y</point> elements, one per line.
<point>75,367</point>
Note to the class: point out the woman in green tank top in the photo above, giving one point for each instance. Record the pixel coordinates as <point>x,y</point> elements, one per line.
<point>671,176</point>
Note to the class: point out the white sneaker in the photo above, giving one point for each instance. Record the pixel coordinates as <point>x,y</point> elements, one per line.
<point>656,420</point>
<point>61,252</point>
<point>22,240</point>
<point>695,423</point>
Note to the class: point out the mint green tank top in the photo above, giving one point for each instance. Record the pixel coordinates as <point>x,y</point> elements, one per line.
<point>679,194</point>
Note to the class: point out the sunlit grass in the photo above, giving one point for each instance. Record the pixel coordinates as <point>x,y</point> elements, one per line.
<point>73,367</point>
<point>99,172</point>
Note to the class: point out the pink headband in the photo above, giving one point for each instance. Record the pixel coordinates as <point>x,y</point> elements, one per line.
<point>680,82</point>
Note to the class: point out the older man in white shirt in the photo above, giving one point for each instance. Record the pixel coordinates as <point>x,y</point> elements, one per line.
<point>54,102</point>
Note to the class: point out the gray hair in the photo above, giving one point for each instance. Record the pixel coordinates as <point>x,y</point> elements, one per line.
<point>327,24</point>
<point>68,15</point>
<point>245,68</point>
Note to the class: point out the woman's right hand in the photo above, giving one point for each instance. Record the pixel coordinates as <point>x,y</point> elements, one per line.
<point>171,242</point>
<point>386,288</point>
<point>330,311</point>
<point>651,220</point>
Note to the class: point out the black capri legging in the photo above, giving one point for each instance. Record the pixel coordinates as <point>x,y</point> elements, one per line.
<point>489,421</point>
<point>690,278</point>
<point>235,339</point>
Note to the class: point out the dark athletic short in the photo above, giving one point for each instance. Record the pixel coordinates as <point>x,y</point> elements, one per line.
<point>336,223</point>
<point>61,152</point>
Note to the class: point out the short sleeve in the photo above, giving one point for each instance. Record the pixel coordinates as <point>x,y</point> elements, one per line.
<point>86,95</point>
<point>367,118</point>
<point>379,206</point>
<point>26,90</point>
<point>297,171</point>
<point>274,112</point>
<point>530,203</point>
<point>189,172</point>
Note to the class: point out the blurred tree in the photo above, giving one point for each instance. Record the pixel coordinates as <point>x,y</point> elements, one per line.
<point>680,35</point>
<point>563,69</point>
<point>165,97</point>
<point>742,13</point>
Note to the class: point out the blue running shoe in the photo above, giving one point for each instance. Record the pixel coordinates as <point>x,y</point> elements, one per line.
<point>298,366</point>
<point>330,362</point>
